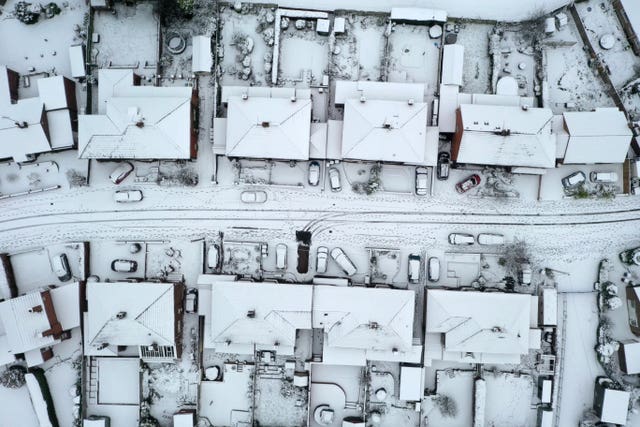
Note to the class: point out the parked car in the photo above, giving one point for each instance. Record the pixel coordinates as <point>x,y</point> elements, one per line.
<point>121,172</point>
<point>124,265</point>
<point>314,173</point>
<point>126,196</point>
<point>434,269</point>
<point>61,268</point>
<point>321,259</point>
<point>525,274</point>
<point>468,184</point>
<point>444,162</point>
<point>343,261</point>
<point>253,196</point>
<point>334,180</point>
<point>422,184</point>
<point>191,301</point>
<point>573,180</point>
<point>607,177</point>
<point>414,268</point>
<point>490,239</point>
<point>303,259</point>
<point>281,256</point>
<point>213,257</point>
<point>461,239</point>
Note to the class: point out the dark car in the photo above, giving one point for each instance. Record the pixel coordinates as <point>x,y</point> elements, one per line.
<point>124,266</point>
<point>468,184</point>
<point>444,162</point>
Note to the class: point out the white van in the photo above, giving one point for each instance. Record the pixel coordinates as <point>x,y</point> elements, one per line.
<point>321,259</point>
<point>281,256</point>
<point>60,266</point>
<point>434,269</point>
<point>414,268</point>
<point>603,177</point>
<point>343,261</point>
<point>461,239</point>
<point>490,239</point>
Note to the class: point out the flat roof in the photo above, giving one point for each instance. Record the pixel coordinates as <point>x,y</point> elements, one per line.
<point>632,356</point>
<point>615,406</point>
<point>389,91</point>
<point>452,64</point>
<point>201,59</point>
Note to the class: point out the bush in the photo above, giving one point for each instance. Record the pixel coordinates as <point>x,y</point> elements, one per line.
<point>13,377</point>
<point>447,406</point>
<point>26,12</point>
<point>76,179</point>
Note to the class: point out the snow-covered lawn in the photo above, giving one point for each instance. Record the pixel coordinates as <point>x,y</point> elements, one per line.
<point>302,51</point>
<point>458,386</point>
<point>135,27</point>
<point>44,45</point>
<point>17,409</point>
<point>360,54</point>
<point>509,400</point>
<point>474,36</point>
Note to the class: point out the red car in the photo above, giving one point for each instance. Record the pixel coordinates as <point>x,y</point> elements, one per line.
<point>468,184</point>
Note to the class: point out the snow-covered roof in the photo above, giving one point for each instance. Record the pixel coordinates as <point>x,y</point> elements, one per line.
<point>632,10</point>
<point>17,142</point>
<point>615,406</point>
<point>24,324</point>
<point>600,136</point>
<point>365,319</point>
<point>632,356</point>
<point>201,59</point>
<point>183,420</point>
<point>506,136</point>
<point>418,14</point>
<point>390,131</point>
<point>51,91</point>
<point>76,60</point>
<point>549,307</point>
<point>452,64</point>
<point>264,92</point>
<point>262,314</point>
<point>470,322</point>
<point>411,383</point>
<point>273,128</point>
<point>146,311</point>
<point>60,129</point>
<point>5,91</point>
<point>388,91</point>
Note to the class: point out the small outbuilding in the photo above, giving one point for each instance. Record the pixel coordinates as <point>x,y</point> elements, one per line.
<point>201,58</point>
<point>629,357</point>
<point>612,406</point>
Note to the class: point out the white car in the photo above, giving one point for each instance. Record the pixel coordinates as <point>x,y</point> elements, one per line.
<point>258,196</point>
<point>281,256</point>
<point>434,269</point>
<point>490,239</point>
<point>314,173</point>
<point>421,180</point>
<point>213,257</point>
<point>121,172</point>
<point>60,267</point>
<point>127,196</point>
<point>607,177</point>
<point>461,239</point>
<point>525,274</point>
<point>414,268</point>
<point>343,261</point>
<point>321,259</point>
<point>334,180</point>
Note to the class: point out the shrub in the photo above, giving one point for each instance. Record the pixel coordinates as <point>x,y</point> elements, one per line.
<point>26,12</point>
<point>13,377</point>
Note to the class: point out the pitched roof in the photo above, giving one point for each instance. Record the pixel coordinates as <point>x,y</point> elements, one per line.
<point>17,142</point>
<point>506,136</point>
<point>363,318</point>
<point>600,136</point>
<point>384,131</point>
<point>277,311</point>
<point>471,323</point>
<point>274,128</point>
<point>51,92</point>
<point>148,310</point>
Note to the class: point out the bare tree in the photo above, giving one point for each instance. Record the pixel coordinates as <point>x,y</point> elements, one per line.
<point>447,406</point>
<point>515,254</point>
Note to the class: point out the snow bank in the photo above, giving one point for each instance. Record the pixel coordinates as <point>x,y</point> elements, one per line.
<point>479,402</point>
<point>500,10</point>
<point>39,404</point>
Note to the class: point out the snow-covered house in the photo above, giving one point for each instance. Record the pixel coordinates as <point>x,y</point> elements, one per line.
<point>612,406</point>
<point>139,122</point>
<point>467,327</point>
<point>504,136</point>
<point>143,315</point>
<point>385,122</point>
<point>201,58</point>
<point>36,125</point>
<point>242,317</point>
<point>363,324</point>
<point>34,323</point>
<point>267,123</point>
<point>600,136</point>
<point>629,357</point>
<point>633,308</point>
